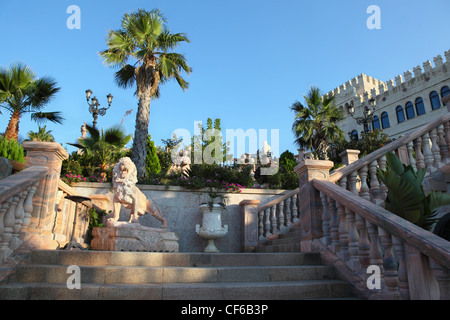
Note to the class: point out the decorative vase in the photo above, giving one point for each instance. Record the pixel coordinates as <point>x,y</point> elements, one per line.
<point>211,228</point>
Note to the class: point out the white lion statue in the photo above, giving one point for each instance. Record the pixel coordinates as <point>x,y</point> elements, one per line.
<point>127,194</point>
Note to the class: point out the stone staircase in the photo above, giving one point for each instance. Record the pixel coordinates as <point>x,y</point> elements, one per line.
<point>286,242</point>
<point>175,276</point>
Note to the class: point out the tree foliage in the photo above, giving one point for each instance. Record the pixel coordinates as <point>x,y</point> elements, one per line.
<point>142,50</point>
<point>316,122</point>
<point>21,92</point>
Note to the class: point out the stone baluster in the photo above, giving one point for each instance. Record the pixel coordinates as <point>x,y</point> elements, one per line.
<point>353,240</point>
<point>60,220</point>
<point>442,276</point>
<point>8,223</point>
<point>364,189</point>
<point>442,144</point>
<point>375,250</point>
<point>281,217</point>
<point>447,137</point>
<point>294,208</point>
<point>261,225</point>
<point>326,238</point>
<point>375,191</point>
<point>352,182</point>
<point>342,232</point>
<point>419,155</point>
<point>19,213</point>
<point>363,244</point>
<point>287,212</point>
<point>383,188</point>
<point>334,221</point>
<point>273,219</point>
<point>412,161</point>
<point>343,227</point>
<point>435,150</point>
<point>28,206</point>
<point>428,155</point>
<point>399,251</point>
<point>267,222</point>
<point>390,265</point>
<point>3,209</point>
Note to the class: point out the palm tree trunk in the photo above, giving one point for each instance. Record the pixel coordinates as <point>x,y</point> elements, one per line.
<point>139,152</point>
<point>12,131</point>
<point>147,80</point>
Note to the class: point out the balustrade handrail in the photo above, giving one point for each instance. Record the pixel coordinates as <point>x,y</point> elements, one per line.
<point>426,242</point>
<point>72,192</point>
<point>355,166</point>
<point>22,180</point>
<point>278,200</point>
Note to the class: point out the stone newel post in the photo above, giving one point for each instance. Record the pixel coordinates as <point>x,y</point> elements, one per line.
<point>249,228</point>
<point>349,156</point>
<point>50,155</point>
<point>310,202</point>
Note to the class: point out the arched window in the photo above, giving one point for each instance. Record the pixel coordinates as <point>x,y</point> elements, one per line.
<point>400,114</point>
<point>385,120</point>
<point>445,91</point>
<point>435,101</point>
<point>376,123</point>
<point>410,110</point>
<point>354,135</point>
<point>420,107</point>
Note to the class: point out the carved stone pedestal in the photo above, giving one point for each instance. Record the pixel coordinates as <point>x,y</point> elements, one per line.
<point>125,236</point>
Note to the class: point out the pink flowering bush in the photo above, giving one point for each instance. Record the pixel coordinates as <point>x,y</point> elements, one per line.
<point>70,178</point>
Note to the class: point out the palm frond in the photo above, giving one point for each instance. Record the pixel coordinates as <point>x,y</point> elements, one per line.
<point>41,92</point>
<point>42,117</point>
<point>125,77</point>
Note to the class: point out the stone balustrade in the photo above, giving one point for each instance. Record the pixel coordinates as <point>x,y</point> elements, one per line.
<point>278,216</point>
<point>341,214</point>
<point>34,212</point>
<point>16,206</point>
<point>413,263</point>
<point>427,147</point>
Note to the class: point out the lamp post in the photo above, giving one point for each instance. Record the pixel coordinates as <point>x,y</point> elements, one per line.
<point>368,115</point>
<point>94,105</point>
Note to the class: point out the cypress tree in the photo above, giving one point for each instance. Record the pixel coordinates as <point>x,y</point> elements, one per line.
<point>152,161</point>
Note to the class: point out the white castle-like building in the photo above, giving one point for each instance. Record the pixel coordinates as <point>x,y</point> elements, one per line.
<point>402,105</point>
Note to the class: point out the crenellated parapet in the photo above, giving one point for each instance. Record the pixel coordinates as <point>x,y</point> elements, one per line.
<point>362,88</point>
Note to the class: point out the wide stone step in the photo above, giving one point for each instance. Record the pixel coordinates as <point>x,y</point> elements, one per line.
<point>280,240</point>
<point>115,274</point>
<point>305,289</point>
<point>291,234</point>
<point>150,259</point>
<point>279,248</point>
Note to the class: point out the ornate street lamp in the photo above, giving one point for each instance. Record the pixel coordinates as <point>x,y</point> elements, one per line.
<point>94,106</point>
<point>368,115</point>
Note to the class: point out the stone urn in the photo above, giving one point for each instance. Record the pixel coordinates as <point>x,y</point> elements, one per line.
<point>211,228</point>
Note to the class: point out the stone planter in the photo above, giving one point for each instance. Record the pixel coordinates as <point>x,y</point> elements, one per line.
<point>16,165</point>
<point>211,228</point>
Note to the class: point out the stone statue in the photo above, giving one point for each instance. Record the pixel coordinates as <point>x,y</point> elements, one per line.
<point>127,194</point>
<point>83,131</point>
<point>185,162</point>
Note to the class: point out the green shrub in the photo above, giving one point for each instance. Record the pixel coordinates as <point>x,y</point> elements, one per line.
<point>152,161</point>
<point>11,149</point>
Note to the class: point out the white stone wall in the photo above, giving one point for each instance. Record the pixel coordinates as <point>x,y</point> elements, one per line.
<point>181,209</point>
<point>407,87</point>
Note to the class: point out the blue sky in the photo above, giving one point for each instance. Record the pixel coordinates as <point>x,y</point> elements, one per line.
<point>251,59</point>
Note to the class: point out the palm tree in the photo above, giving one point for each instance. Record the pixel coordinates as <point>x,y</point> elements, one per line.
<point>41,135</point>
<point>104,148</point>
<point>315,124</point>
<point>22,92</point>
<point>141,50</point>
